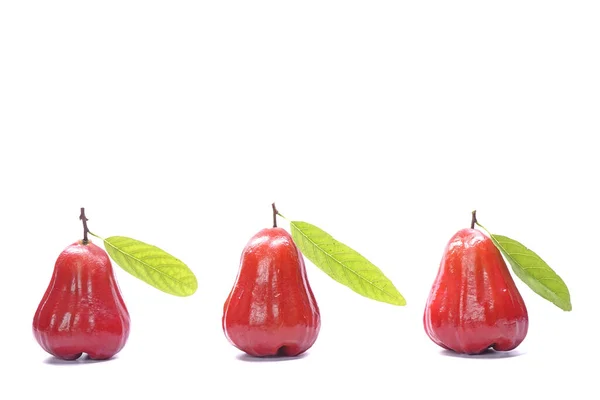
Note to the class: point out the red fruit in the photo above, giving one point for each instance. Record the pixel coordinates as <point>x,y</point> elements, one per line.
<point>271,309</point>
<point>82,310</point>
<point>474,303</point>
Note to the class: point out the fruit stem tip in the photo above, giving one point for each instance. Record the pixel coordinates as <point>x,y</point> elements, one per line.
<point>84,219</point>
<point>275,212</point>
<point>473,219</point>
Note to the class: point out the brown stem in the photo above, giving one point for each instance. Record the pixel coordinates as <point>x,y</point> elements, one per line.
<point>473,219</point>
<point>85,227</point>
<point>275,212</point>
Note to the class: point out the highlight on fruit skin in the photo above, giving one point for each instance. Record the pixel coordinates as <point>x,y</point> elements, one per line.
<point>474,304</point>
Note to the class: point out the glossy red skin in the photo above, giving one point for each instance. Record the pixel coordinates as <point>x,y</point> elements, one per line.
<point>271,309</point>
<point>82,310</point>
<point>474,304</point>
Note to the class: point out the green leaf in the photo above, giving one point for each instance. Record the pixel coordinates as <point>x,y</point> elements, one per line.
<point>152,265</point>
<point>344,264</point>
<point>534,271</point>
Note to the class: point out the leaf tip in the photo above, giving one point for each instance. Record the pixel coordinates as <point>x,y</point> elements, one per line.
<point>398,300</point>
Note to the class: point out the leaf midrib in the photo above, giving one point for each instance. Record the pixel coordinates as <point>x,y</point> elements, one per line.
<point>340,263</point>
<point>146,264</point>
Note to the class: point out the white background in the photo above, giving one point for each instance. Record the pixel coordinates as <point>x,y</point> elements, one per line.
<point>179,123</point>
